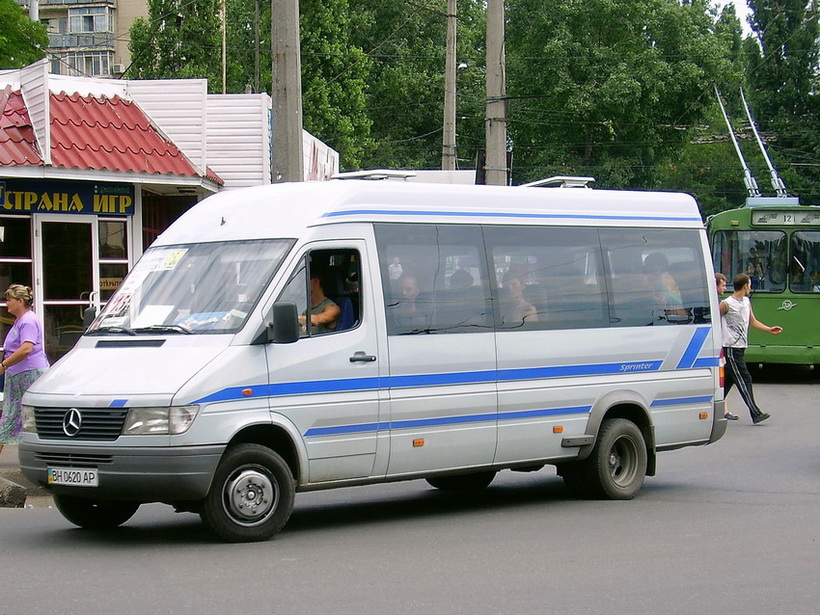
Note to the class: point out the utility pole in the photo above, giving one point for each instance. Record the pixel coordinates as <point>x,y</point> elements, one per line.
<point>496,170</point>
<point>256,49</point>
<point>448,147</point>
<point>224,47</point>
<point>288,163</point>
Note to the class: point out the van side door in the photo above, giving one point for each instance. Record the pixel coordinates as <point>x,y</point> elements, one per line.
<point>443,400</point>
<point>327,382</point>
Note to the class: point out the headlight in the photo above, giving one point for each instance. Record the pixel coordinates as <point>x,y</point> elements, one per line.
<point>29,424</point>
<point>160,421</point>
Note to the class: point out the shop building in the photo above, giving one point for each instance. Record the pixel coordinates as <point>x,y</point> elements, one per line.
<point>92,170</point>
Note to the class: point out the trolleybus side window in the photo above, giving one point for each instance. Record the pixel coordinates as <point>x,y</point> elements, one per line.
<point>805,262</point>
<point>759,254</point>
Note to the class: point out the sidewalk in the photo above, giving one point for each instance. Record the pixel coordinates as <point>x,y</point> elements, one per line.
<point>10,473</point>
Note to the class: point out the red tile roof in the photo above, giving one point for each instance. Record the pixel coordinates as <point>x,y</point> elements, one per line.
<point>18,145</point>
<point>96,133</point>
<point>110,134</point>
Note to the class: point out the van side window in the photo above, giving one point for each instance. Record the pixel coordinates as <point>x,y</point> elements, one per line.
<point>547,278</point>
<point>655,277</point>
<point>435,278</point>
<point>325,288</point>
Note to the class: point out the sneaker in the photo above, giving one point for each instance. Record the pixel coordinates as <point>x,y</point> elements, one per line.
<point>760,418</point>
<point>731,417</point>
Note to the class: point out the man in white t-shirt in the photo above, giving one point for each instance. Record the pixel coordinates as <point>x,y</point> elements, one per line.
<point>736,318</point>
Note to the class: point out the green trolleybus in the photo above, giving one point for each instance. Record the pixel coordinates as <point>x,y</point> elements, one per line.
<point>776,241</point>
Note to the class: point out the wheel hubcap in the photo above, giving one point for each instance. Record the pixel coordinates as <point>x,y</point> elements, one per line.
<point>622,461</point>
<point>250,496</point>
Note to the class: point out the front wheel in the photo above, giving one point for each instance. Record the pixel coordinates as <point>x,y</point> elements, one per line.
<point>94,514</point>
<point>251,496</point>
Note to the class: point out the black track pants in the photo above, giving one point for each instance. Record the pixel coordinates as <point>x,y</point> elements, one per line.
<point>738,374</point>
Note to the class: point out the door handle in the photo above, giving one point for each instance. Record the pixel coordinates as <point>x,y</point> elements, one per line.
<point>361,357</point>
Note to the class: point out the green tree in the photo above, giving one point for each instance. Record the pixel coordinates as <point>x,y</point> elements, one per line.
<point>783,72</point>
<point>178,40</point>
<point>608,87</point>
<point>335,72</point>
<point>22,41</point>
<point>405,42</point>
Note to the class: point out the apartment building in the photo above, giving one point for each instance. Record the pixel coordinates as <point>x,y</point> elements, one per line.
<point>87,38</point>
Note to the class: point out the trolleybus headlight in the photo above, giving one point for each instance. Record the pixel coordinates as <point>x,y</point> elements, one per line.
<point>29,424</point>
<point>159,421</point>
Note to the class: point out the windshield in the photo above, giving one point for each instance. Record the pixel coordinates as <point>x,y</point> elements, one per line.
<point>196,288</point>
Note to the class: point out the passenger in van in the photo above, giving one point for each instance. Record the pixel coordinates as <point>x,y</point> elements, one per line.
<point>324,313</point>
<point>460,279</point>
<point>515,310</point>
<point>408,313</point>
<point>668,299</point>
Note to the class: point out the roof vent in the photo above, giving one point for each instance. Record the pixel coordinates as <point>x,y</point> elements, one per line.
<point>374,174</point>
<point>561,181</point>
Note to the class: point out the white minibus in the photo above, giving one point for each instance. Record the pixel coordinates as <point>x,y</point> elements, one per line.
<point>305,336</point>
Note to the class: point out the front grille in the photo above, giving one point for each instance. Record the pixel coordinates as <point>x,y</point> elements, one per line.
<point>103,424</point>
<point>73,460</point>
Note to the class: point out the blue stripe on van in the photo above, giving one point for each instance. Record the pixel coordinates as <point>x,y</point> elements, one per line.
<point>707,362</point>
<point>419,380</point>
<point>444,420</point>
<point>500,214</point>
<point>680,401</point>
<point>693,349</point>
<point>118,403</point>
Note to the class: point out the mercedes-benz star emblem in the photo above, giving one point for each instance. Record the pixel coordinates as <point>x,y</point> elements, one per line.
<point>72,422</point>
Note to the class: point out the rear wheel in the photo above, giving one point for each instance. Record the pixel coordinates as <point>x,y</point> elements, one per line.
<point>251,496</point>
<point>462,482</point>
<point>94,514</point>
<point>617,466</point>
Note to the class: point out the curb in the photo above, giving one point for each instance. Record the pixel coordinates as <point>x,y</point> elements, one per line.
<point>12,495</point>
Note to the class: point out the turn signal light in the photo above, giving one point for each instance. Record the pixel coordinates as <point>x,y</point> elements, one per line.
<point>419,442</point>
<point>558,429</point>
<point>703,415</point>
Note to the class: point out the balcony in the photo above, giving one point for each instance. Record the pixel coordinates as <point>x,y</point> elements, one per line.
<point>86,40</point>
<point>49,3</point>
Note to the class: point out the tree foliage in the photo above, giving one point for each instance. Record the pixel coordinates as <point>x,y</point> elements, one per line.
<point>22,41</point>
<point>608,87</point>
<point>782,74</point>
<point>622,90</point>
<point>179,40</point>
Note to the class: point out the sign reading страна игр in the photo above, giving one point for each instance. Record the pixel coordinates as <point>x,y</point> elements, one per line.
<point>66,197</point>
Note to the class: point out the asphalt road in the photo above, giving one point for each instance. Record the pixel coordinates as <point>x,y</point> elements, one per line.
<point>728,528</point>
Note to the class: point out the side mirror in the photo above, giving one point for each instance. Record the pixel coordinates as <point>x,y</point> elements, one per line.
<point>285,328</point>
<point>89,314</point>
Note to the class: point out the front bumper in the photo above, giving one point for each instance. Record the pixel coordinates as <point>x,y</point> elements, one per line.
<point>136,474</point>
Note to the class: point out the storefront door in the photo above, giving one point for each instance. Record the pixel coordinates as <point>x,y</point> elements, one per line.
<point>66,278</point>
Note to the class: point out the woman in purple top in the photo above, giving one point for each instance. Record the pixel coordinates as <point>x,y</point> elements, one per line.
<point>24,360</point>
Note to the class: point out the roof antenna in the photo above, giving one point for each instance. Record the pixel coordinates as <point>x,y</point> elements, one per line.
<point>777,183</point>
<point>748,180</point>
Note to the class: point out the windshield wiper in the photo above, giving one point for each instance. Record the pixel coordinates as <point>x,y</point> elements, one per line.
<point>104,330</point>
<point>164,329</point>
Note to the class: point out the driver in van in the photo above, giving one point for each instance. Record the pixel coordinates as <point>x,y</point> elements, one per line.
<point>324,313</point>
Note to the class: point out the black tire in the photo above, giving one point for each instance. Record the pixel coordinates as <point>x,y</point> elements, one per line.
<point>94,514</point>
<point>251,496</point>
<point>617,466</point>
<point>462,482</point>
